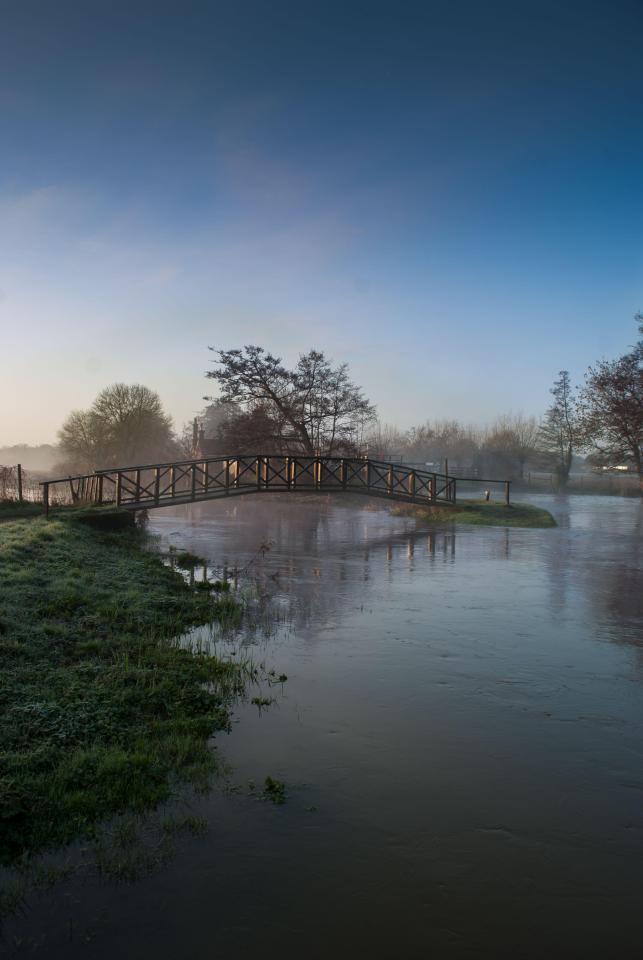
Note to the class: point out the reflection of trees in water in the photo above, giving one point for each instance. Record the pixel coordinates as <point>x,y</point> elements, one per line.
<point>303,591</point>
<point>323,561</point>
<point>602,556</point>
<point>615,585</point>
<point>328,556</point>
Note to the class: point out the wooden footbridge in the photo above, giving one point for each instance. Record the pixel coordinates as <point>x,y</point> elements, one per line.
<point>188,481</point>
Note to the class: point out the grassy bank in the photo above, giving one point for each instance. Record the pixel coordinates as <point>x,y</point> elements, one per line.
<point>12,510</point>
<point>101,712</point>
<point>483,513</point>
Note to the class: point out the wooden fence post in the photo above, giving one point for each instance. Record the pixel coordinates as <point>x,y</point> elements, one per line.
<point>19,470</point>
<point>118,488</point>
<point>100,488</point>
<point>45,498</point>
<point>507,486</point>
<point>157,483</point>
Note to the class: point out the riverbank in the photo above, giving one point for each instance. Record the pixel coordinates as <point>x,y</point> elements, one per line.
<point>101,711</point>
<point>482,513</point>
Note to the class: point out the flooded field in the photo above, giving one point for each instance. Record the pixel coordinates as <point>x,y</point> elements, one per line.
<point>460,736</point>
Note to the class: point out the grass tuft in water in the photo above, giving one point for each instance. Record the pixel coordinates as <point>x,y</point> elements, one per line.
<point>274,790</point>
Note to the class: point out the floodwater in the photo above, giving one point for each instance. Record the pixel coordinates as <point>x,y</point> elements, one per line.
<point>460,736</point>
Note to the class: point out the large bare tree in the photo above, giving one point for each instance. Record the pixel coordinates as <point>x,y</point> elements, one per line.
<point>125,424</point>
<point>313,407</point>
<point>611,407</point>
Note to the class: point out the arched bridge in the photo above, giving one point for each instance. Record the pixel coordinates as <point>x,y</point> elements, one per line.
<point>187,481</point>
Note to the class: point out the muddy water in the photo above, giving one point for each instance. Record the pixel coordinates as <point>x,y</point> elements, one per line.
<point>460,736</point>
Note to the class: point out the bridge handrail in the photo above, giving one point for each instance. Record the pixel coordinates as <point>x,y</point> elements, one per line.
<point>254,456</point>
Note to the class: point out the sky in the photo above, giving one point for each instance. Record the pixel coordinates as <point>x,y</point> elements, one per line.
<point>449,197</point>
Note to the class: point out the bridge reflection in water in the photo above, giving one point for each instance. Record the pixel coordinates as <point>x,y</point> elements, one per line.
<point>186,481</point>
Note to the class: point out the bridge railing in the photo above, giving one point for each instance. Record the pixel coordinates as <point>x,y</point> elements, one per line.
<point>183,481</point>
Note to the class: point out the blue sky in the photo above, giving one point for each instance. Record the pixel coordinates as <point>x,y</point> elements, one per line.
<point>449,197</point>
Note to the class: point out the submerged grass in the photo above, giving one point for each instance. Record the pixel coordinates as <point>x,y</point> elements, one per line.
<point>483,513</point>
<point>101,711</point>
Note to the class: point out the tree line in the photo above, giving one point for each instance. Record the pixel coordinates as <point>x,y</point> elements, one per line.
<point>314,407</point>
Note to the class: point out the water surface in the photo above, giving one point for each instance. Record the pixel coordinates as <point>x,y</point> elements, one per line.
<point>460,736</point>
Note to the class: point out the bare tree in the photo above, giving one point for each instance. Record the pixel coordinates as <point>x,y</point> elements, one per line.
<point>125,424</point>
<point>560,433</point>
<point>314,406</point>
<point>611,408</point>
<point>510,442</point>
<point>441,440</point>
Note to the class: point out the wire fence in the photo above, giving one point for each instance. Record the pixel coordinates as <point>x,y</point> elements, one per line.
<point>18,485</point>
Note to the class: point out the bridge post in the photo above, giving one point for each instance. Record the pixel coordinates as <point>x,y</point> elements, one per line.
<point>226,476</point>
<point>389,480</point>
<point>157,483</point>
<point>138,484</point>
<point>317,473</point>
<point>507,489</point>
<point>258,472</point>
<point>193,481</point>
<point>343,473</point>
<point>434,485</point>
<point>287,471</point>
<point>118,487</point>
<point>453,482</point>
<point>99,495</point>
<point>172,481</point>
<point>206,477</point>
<point>411,483</point>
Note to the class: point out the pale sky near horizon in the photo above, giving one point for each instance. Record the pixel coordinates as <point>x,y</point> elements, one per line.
<point>448,197</point>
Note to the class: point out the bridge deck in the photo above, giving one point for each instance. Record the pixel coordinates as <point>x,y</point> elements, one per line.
<point>187,481</point>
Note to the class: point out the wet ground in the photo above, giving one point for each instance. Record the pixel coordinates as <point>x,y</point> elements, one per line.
<point>460,736</point>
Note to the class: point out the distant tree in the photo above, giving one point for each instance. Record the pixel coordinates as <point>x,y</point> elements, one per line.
<point>560,433</point>
<point>441,440</point>
<point>384,441</point>
<point>313,406</point>
<point>125,424</point>
<point>510,443</point>
<point>611,408</point>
